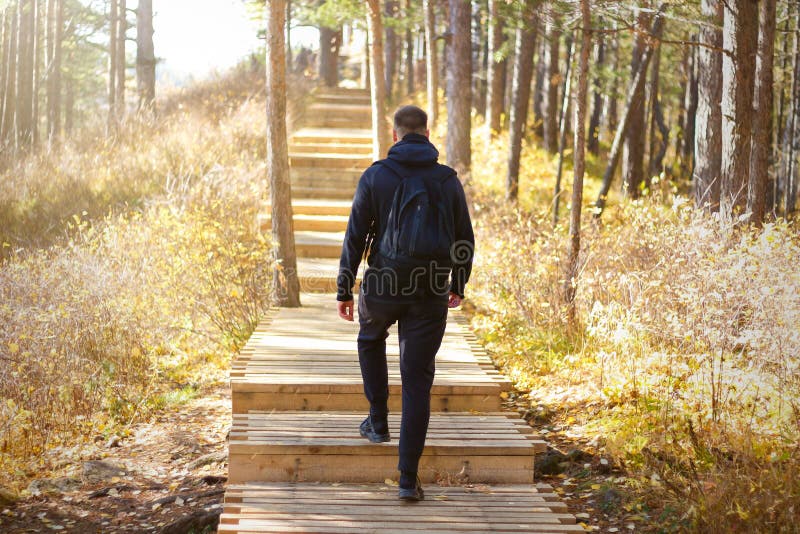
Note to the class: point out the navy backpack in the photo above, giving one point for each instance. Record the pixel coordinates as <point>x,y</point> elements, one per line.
<point>420,228</point>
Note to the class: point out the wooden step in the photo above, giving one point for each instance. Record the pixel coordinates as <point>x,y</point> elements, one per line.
<point>339,99</point>
<point>327,447</point>
<point>318,244</point>
<point>359,150</point>
<point>337,121</point>
<point>340,108</point>
<point>278,371</point>
<point>315,223</point>
<point>333,135</point>
<point>346,92</point>
<point>314,206</point>
<point>333,175</point>
<point>324,192</point>
<point>317,275</point>
<point>332,161</point>
<point>321,186</point>
<point>347,508</point>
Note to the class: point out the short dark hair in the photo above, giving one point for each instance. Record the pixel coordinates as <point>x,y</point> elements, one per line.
<point>410,119</point>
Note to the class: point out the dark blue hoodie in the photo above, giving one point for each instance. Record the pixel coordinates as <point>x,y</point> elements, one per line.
<point>372,202</point>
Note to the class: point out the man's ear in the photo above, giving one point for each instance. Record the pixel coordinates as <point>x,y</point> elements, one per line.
<point>394,135</point>
<point>428,133</point>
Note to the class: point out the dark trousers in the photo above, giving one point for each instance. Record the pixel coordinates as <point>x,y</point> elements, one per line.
<point>420,327</point>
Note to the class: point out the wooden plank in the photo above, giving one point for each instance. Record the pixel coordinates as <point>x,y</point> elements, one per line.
<point>243,527</point>
<point>393,513</point>
<point>334,508</point>
<point>318,467</point>
<point>335,399</point>
<point>349,385</point>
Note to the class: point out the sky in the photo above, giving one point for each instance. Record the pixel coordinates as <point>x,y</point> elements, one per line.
<point>196,37</point>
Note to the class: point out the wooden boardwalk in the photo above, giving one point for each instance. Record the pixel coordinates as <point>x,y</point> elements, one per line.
<point>297,462</point>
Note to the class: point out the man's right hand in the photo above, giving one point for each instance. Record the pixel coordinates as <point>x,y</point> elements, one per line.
<point>345,309</point>
<point>453,300</point>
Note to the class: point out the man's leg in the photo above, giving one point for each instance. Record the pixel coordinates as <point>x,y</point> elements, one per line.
<point>420,329</point>
<point>374,319</point>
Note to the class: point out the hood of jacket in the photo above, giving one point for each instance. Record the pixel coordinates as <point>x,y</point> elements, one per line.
<point>414,150</point>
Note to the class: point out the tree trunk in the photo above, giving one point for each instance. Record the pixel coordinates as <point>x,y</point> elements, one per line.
<point>579,164</point>
<point>551,82</point>
<point>380,125</point>
<point>365,68</point>
<point>685,142</point>
<point>36,74</point>
<point>390,48</point>
<point>145,56</point>
<point>69,106</point>
<point>25,45</point>
<point>708,129</point>
<point>329,56</point>
<point>740,40</point>
<point>524,45</point>
<point>593,144</point>
<point>55,13</point>
<point>459,88</point>
<point>479,79</point>
<point>122,32</point>
<point>636,134</point>
<point>762,113</point>
<point>562,130</point>
<point>567,117</point>
<point>611,104</point>
<point>495,72</point>
<point>112,66</point>
<point>409,55</point>
<point>538,86</point>
<point>636,87</point>
<point>9,80</point>
<point>289,58</point>
<point>431,62</point>
<point>3,53</point>
<point>788,165</point>
<point>786,36</point>
<point>10,83</point>
<point>659,133</point>
<point>286,283</point>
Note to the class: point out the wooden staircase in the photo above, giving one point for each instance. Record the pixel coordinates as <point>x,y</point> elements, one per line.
<point>297,462</point>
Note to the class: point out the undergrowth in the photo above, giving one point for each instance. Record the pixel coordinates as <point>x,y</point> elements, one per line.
<point>132,269</point>
<point>92,172</point>
<point>688,338</point>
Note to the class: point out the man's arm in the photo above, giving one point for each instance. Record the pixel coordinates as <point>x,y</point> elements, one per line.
<point>355,240</point>
<point>464,247</point>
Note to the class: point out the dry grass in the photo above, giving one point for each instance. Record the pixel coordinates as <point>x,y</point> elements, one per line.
<point>93,173</point>
<point>688,339</point>
<point>132,269</point>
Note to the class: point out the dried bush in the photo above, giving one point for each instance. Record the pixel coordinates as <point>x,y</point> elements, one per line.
<point>131,267</point>
<point>689,336</point>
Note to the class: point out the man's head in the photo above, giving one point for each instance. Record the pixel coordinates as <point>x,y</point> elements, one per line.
<point>409,119</point>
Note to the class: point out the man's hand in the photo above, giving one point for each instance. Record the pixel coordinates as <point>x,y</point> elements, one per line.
<point>345,309</point>
<point>454,301</point>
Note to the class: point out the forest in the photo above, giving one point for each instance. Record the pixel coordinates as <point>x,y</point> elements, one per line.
<point>631,170</point>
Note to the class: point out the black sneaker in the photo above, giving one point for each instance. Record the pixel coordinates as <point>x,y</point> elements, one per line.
<point>412,494</point>
<point>368,432</point>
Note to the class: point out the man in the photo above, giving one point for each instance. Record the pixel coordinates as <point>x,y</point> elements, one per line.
<point>410,215</point>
